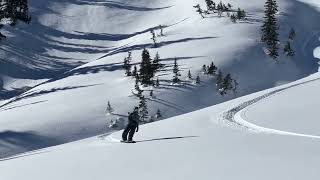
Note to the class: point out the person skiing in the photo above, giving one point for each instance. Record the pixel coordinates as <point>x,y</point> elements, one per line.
<point>132,127</point>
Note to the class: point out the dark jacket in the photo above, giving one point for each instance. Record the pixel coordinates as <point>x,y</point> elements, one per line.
<point>134,118</point>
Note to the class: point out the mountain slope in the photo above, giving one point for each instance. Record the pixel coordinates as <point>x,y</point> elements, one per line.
<point>72,105</point>
<point>192,146</point>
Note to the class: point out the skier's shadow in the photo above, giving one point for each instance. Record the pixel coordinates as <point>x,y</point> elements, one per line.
<point>167,138</point>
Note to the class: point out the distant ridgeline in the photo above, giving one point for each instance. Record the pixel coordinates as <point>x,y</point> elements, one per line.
<point>11,11</point>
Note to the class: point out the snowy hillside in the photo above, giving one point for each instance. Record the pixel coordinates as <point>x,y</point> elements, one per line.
<point>280,142</point>
<point>71,105</point>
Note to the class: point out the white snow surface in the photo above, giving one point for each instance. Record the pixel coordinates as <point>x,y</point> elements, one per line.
<point>245,138</point>
<point>196,145</point>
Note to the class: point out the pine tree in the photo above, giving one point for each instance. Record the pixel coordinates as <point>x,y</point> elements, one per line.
<point>212,69</point>
<point>270,27</point>
<point>219,79</point>
<point>189,75</point>
<point>143,109</point>
<point>198,80</point>
<point>199,10</point>
<point>154,38</point>
<point>146,69</point>
<point>292,34</point>
<point>233,18</point>
<point>135,71</point>
<point>235,86</point>
<point>157,82</point>
<point>151,93</point>
<point>137,86</point>
<point>109,109</point>
<point>161,30</point>
<point>210,6</point>
<point>227,82</point>
<point>287,50</point>
<point>158,114</point>
<point>156,63</point>
<point>204,69</point>
<point>176,72</point>
<point>127,65</point>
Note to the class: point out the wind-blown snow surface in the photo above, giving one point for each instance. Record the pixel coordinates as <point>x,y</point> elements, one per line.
<point>194,146</point>
<point>71,106</point>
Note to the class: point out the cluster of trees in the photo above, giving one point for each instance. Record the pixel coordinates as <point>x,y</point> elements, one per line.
<point>220,8</point>
<point>223,83</point>
<point>154,35</point>
<point>12,11</point>
<point>270,34</point>
<point>239,15</point>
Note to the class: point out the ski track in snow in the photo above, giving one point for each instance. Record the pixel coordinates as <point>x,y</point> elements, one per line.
<point>235,117</point>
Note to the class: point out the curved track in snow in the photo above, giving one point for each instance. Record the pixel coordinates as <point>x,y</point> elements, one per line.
<point>235,116</point>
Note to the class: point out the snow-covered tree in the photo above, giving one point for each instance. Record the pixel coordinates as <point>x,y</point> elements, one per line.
<point>219,79</point>
<point>270,28</point>
<point>143,109</point>
<point>235,86</point>
<point>210,5</point>
<point>146,69</point>
<point>233,18</point>
<point>176,72</point>
<point>127,65</point>
<point>109,109</point>
<point>151,93</point>
<point>161,30</point>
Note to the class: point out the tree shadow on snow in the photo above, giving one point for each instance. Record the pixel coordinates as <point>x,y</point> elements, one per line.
<point>12,142</point>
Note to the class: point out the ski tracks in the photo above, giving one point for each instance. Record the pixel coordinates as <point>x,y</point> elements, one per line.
<point>234,117</point>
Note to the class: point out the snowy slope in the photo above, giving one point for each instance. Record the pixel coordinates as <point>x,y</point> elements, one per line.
<point>72,106</point>
<point>197,145</point>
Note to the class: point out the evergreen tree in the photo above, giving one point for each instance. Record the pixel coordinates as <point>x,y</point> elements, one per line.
<point>109,109</point>
<point>137,86</point>
<point>199,10</point>
<point>212,69</point>
<point>127,65</point>
<point>229,6</point>
<point>158,114</point>
<point>151,93</point>
<point>157,82</point>
<point>287,50</point>
<point>189,75</point>
<point>227,83</point>
<point>235,86</point>
<point>210,6</point>
<point>156,63</point>
<point>270,28</point>
<point>292,34</point>
<point>233,18</point>
<point>135,71</point>
<point>198,79</point>
<point>154,38</point>
<point>161,30</point>
<point>143,109</point>
<point>146,69</point>
<point>219,79</point>
<point>204,69</point>
<point>176,72</point>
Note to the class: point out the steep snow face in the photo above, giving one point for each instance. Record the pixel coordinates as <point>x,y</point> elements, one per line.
<point>196,145</point>
<point>72,106</point>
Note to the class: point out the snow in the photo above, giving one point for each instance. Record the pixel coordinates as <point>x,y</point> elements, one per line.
<point>203,135</point>
<point>191,146</point>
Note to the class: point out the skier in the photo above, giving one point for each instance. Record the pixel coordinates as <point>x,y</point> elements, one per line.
<point>132,127</point>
